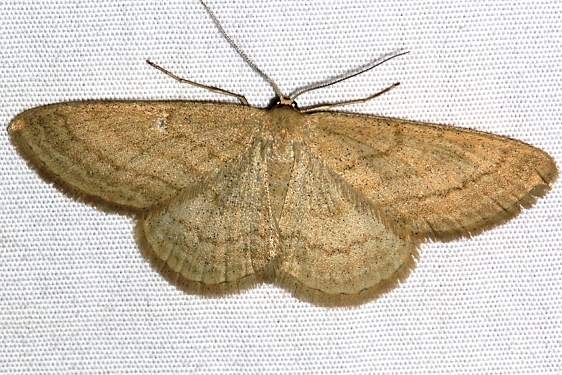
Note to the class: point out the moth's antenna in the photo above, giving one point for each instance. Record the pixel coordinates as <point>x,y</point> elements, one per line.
<point>241,53</point>
<point>352,74</point>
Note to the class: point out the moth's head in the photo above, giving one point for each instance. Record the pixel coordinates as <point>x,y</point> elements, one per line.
<point>283,101</point>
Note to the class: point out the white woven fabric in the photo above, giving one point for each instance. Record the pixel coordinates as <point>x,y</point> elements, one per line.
<point>76,295</point>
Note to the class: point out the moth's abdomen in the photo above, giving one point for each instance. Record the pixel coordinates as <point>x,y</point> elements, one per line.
<point>280,162</point>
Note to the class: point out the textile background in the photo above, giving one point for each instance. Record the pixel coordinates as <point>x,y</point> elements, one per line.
<point>76,294</point>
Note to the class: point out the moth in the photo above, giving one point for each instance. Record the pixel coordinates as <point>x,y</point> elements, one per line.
<point>331,205</point>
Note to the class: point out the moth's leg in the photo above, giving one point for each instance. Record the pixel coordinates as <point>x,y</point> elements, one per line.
<point>324,106</point>
<point>207,87</point>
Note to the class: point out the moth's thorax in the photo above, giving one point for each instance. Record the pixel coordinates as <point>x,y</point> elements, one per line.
<point>283,129</point>
<point>285,123</point>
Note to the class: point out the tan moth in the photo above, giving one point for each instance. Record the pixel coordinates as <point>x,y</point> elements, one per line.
<point>331,205</point>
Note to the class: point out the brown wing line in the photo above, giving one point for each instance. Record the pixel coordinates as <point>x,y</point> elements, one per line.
<point>432,180</point>
<point>132,153</point>
<point>335,250</point>
<point>428,194</point>
<point>221,232</point>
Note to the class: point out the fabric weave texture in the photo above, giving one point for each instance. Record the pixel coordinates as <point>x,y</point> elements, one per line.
<point>77,295</point>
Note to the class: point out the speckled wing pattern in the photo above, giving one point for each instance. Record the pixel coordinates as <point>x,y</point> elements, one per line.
<point>333,206</point>
<point>221,231</point>
<point>432,181</point>
<point>333,241</point>
<point>129,153</point>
